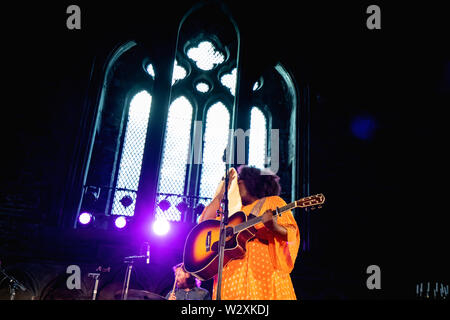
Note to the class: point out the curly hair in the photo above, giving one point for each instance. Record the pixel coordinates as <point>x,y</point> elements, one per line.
<point>259,183</point>
<point>192,281</point>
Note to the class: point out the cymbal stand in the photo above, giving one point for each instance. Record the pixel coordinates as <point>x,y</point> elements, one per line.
<point>126,283</point>
<point>13,284</point>
<point>96,277</point>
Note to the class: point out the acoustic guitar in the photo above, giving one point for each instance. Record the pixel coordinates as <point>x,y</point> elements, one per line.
<point>201,251</point>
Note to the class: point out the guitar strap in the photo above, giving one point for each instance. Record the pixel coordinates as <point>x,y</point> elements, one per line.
<point>257,207</point>
<point>255,211</point>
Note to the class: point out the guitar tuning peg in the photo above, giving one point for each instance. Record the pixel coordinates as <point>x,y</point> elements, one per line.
<point>313,208</point>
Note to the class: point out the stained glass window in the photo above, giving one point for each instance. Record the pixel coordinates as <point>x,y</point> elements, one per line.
<point>229,81</point>
<point>258,138</point>
<point>179,72</point>
<point>205,55</point>
<point>132,152</point>
<point>214,143</point>
<point>202,87</point>
<point>175,156</point>
<point>150,70</point>
<point>207,69</point>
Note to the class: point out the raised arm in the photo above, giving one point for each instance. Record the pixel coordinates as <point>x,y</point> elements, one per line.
<point>210,211</point>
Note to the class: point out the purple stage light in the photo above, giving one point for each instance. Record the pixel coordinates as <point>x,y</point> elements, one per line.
<point>120,222</point>
<point>85,218</point>
<point>161,227</point>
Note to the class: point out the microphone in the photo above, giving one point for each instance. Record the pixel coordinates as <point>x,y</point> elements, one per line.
<point>224,157</point>
<point>135,257</point>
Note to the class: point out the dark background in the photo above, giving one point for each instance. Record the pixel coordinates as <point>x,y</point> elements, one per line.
<point>386,193</point>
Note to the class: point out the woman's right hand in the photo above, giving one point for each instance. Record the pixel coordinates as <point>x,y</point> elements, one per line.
<point>210,211</point>
<point>231,175</point>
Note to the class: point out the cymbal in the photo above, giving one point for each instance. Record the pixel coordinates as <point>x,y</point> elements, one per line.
<point>134,294</point>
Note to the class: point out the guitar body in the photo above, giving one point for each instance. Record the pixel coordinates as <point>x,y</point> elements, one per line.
<point>201,252</point>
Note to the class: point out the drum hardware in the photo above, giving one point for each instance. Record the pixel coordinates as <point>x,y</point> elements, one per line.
<point>13,284</point>
<point>96,277</point>
<point>139,295</point>
<point>130,261</point>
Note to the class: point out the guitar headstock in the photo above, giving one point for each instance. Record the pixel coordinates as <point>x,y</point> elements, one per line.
<point>313,202</point>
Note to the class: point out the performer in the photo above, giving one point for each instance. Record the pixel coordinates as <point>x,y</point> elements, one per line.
<point>186,287</point>
<point>264,272</point>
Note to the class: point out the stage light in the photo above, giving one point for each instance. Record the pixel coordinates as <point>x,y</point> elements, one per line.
<point>182,206</point>
<point>199,209</point>
<point>126,201</point>
<point>120,222</point>
<point>161,226</point>
<point>89,202</point>
<point>85,218</point>
<point>164,205</point>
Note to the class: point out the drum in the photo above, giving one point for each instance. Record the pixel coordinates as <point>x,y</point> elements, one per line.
<point>134,294</point>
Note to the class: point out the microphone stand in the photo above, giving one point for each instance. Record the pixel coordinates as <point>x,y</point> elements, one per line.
<point>130,261</point>
<point>222,236</point>
<point>126,282</point>
<point>96,276</point>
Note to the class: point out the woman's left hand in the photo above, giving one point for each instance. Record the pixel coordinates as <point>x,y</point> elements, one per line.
<point>269,219</point>
<point>270,222</point>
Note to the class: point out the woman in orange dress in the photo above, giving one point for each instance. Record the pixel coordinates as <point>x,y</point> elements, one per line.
<point>264,272</point>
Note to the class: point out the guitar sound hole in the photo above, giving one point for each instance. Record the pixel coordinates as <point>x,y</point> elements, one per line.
<point>228,240</point>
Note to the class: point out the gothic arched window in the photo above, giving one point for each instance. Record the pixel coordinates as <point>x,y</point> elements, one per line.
<point>113,169</point>
<point>175,156</point>
<point>274,118</point>
<point>204,78</point>
<point>214,143</point>
<point>195,130</point>
<point>132,151</point>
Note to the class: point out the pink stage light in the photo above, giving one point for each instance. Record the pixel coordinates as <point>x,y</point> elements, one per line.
<point>120,222</point>
<point>161,226</point>
<point>85,218</point>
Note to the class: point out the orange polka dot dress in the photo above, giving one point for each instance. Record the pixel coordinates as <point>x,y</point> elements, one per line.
<point>264,272</point>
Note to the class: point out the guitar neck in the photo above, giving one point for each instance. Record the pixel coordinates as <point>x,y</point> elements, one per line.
<point>254,221</point>
<point>310,201</point>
